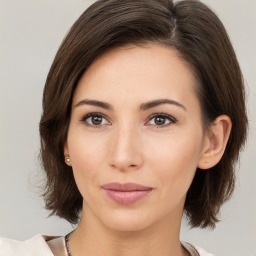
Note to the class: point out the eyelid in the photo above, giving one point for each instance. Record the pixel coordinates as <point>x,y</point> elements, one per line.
<point>161,114</point>
<point>91,114</point>
<point>167,116</point>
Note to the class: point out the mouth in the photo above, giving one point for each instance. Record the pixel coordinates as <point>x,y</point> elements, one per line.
<point>126,193</point>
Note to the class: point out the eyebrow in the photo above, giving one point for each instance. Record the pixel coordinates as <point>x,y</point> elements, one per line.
<point>143,106</point>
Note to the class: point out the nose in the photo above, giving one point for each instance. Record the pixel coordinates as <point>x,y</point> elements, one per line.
<point>126,149</point>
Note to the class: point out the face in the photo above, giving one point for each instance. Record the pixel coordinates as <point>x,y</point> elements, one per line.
<point>135,119</point>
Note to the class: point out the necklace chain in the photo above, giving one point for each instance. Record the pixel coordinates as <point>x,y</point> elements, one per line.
<point>68,249</point>
<point>67,244</point>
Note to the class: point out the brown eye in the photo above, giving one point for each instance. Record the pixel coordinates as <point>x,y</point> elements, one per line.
<point>95,120</point>
<point>161,120</point>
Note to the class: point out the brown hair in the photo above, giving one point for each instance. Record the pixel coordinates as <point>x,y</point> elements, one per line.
<point>198,35</point>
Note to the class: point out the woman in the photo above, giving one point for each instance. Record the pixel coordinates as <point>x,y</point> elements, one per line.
<point>143,119</point>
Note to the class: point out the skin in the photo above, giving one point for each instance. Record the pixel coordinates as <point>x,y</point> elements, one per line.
<point>127,145</point>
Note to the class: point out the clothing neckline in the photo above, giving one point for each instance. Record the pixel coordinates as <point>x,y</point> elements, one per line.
<point>57,246</point>
<point>190,248</point>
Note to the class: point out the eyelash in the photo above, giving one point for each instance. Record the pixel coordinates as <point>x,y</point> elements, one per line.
<point>162,115</point>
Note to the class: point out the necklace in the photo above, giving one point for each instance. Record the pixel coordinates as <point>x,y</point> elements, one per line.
<point>69,252</point>
<point>67,244</point>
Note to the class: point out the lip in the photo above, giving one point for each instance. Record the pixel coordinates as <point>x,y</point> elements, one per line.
<point>125,187</point>
<point>126,193</point>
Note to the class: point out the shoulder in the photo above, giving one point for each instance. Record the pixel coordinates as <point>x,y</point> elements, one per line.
<point>195,250</point>
<point>36,245</point>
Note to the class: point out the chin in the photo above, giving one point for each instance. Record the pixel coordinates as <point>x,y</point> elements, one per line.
<point>126,221</point>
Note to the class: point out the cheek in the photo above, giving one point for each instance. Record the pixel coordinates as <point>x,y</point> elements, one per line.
<point>87,156</point>
<point>86,148</point>
<point>175,163</point>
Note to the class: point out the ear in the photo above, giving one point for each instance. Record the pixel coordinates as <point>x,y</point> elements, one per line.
<point>215,142</point>
<point>66,154</point>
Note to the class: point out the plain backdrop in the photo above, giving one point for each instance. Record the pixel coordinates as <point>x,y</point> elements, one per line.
<point>30,33</point>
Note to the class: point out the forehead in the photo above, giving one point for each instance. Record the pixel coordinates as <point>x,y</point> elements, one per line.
<point>135,72</point>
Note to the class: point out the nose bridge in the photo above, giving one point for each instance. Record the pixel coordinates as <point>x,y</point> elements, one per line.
<point>126,147</point>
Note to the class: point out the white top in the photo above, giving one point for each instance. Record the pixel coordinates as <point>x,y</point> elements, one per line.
<point>41,245</point>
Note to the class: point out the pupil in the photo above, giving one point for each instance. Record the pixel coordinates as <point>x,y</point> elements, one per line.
<point>159,120</point>
<point>96,120</point>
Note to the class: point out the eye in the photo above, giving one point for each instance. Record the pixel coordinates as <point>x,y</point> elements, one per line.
<point>95,119</point>
<point>161,120</point>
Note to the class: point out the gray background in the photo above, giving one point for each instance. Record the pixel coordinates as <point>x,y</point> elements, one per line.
<point>31,32</point>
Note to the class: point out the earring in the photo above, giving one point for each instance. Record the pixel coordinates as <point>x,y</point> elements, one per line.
<point>67,159</point>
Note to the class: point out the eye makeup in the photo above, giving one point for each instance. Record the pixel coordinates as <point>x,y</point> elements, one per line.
<point>98,120</point>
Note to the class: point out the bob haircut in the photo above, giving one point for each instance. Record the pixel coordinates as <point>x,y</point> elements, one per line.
<point>199,38</point>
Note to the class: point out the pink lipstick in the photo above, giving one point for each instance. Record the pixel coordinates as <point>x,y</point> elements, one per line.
<point>126,193</point>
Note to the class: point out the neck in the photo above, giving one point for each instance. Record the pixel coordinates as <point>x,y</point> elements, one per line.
<point>92,238</point>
